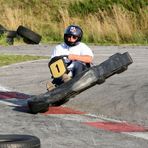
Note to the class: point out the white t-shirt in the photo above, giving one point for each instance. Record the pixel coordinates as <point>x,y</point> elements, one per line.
<point>63,49</point>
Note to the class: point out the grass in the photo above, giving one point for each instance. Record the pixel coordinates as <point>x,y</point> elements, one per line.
<point>103,21</point>
<point>11,59</point>
<point>3,40</point>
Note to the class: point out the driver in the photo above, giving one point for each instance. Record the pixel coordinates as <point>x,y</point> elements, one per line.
<point>77,55</point>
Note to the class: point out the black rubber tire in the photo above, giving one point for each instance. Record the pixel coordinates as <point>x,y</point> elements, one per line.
<point>19,141</point>
<point>40,106</point>
<point>2,29</point>
<point>29,35</point>
<point>11,34</point>
<point>27,41</point>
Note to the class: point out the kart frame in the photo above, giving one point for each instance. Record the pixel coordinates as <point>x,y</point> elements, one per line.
<point>115,64</point>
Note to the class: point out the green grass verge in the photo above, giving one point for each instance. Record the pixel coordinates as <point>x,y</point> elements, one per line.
<point>11,59</point>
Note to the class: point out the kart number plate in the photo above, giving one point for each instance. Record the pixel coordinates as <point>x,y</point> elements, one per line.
<point>57,68</point>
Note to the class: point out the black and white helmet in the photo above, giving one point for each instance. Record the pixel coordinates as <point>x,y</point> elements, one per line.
<point>73,30</point>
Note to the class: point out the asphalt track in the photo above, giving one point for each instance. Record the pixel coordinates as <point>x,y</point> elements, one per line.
<point>110,115</point>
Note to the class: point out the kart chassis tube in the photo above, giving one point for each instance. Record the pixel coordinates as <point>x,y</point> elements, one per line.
<point>117,63</point>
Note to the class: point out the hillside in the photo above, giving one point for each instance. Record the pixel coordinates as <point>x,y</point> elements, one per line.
<point>103,21</point>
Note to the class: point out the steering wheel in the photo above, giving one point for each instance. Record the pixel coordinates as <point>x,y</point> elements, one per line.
<point>58,65</point>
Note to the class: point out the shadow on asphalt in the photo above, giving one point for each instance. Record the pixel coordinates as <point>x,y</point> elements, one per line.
<point>15,99</point>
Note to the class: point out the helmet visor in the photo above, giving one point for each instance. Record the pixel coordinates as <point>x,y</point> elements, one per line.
<point>71,37</point>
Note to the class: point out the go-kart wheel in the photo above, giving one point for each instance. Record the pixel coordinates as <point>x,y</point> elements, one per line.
<point>36,106</point>
<point>29,35</point>
<point>19,141</point>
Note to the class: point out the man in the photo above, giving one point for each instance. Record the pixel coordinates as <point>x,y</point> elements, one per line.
<point>77,55</point>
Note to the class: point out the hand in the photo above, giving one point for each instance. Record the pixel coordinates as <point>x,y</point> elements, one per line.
<point>66,60</point>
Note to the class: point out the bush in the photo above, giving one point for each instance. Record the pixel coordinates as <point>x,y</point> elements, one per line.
<point>91,6</point>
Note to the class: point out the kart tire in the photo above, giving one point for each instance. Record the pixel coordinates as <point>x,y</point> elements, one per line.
<point>11,34</point>
<point>38,106</point>
<point>27,41</point>
<point>19,141</point>
<point>2,29</point>
<point>41,106</point>
<point>29,35</point>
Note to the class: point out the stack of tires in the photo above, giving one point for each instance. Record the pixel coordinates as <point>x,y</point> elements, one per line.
<point>2,29</point>
<point>29,36</point>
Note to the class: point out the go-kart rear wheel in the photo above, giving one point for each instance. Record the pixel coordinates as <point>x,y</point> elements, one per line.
<point>19,141</point>
<point>37,106</point>
<point>29,35</point>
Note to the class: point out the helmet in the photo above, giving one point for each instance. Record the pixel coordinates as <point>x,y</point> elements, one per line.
<point>74,31</point>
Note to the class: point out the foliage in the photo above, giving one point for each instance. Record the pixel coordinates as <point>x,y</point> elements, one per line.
<point>10,59</point>
<point>86,7</point>
<point>103,21</point>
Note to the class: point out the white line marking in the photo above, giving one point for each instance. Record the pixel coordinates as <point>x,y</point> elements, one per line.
<point>22,63</point>
<point>7,103</point>
<point>142,135</point>
<point>2,88</point>
<point>14,102</point>
<point>74,117</point>
<point>102,117</point>
<point>95,118</point>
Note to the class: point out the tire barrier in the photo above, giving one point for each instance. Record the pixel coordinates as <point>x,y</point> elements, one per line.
<point>29,36</point>
<point>2,29</point>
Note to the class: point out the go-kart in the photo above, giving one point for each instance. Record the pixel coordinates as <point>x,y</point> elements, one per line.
<point>97,74</point>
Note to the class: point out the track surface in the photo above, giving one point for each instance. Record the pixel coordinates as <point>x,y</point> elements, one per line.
<point>122,97</point>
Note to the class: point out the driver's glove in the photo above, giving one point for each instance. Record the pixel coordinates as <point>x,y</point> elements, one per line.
<point>67,61</point>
